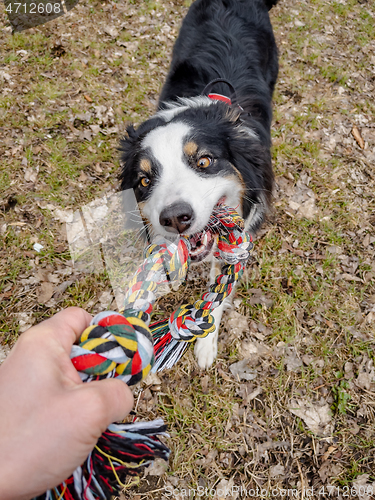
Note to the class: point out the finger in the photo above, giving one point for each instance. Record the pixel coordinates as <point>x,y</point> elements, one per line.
<point>67,326</point>
<point>115,399</point>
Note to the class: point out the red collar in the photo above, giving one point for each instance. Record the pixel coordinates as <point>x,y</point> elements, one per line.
<point>219,97</point>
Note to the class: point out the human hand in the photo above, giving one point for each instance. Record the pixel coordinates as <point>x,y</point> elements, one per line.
<point>49,419</point>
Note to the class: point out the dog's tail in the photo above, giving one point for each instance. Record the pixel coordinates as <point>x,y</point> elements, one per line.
<point>270,3</point>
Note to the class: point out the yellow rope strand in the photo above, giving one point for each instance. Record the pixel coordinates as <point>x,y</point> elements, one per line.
<point>63,492</point>
<point>130,466</point>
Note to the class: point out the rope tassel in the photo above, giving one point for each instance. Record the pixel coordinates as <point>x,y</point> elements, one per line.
<point>123,345</point>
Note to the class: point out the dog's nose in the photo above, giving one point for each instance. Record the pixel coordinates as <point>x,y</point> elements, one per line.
<point>177,218</point>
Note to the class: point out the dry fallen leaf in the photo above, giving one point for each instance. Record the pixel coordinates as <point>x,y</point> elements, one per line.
<point>259,297</point>
<point>157,468</point>
<point>85,134</point>
<point>53,278</point>
<point>209,459</point>
<point>308,209</point>
<point>241,370</point>
<point>292,361</point>
<point>277,470</point>
<point>61,289</point>
<point>357,136</point>
<point>248,349</point>
<point>84,117</point>
<point>82,177</point>
<point>30,175</point>
<point>302,199</point>
<point>348,277</point>
<point>152,379</point>
<point>252,349</point>
<point>237,324</point>
<point>366,240</point>
<point>111,31</point>
<point>95,129</point>
<point>330,450</point>
<point>45,292</point>
<point>204,383</point>
<point>317,418</point>
<point>363,488</point>
<point>71,127</point>
<point>366,374</point>
<point>225,490</point>
<point>25,321</point>
<point>223,375</point>
<point>105,299</point>
<point>329,470</point>
<point>246,392</point>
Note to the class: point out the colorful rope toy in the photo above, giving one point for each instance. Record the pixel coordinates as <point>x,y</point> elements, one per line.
<point>123,345</point>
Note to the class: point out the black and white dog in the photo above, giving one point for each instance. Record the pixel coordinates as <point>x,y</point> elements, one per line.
<point>199,149</point>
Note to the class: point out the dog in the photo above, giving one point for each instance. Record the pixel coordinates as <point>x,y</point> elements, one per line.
<point>203,147</point>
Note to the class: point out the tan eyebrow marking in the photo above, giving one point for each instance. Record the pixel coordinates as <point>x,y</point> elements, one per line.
<point>145,165</point>
<point>190,148</point>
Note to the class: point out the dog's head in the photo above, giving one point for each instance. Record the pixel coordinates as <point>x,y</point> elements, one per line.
<point>188,158</point>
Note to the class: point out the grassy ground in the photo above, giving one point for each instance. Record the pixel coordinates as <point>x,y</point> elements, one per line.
<point>304,315</point>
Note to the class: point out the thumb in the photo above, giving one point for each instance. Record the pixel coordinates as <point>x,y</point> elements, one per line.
<point>114,400</point>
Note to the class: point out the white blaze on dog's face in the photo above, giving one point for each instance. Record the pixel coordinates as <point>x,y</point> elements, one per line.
<point>185,183</point>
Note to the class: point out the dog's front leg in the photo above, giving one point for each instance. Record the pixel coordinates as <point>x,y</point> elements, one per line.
<point>206,349</point>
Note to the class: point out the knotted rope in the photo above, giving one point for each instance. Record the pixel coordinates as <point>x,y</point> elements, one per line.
<point>191,321</point>
<point>123,345</point>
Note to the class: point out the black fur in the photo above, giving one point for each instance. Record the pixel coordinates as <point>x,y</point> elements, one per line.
<point>230,39</point>
<point>270,3</point>
<point>130,149</point>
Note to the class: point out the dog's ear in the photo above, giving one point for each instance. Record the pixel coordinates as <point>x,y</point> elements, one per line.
<point>130,148</point>
<point>128,158</point>
<point>253,161</point>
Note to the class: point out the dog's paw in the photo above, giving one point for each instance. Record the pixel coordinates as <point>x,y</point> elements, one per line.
<point>205,350</point>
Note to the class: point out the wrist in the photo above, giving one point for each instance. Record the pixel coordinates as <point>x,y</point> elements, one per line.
<point>15,478</point>
<point>8,488</point>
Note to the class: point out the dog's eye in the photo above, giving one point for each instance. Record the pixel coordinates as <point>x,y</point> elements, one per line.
<point>145,181</point>
<point>204,162</point>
